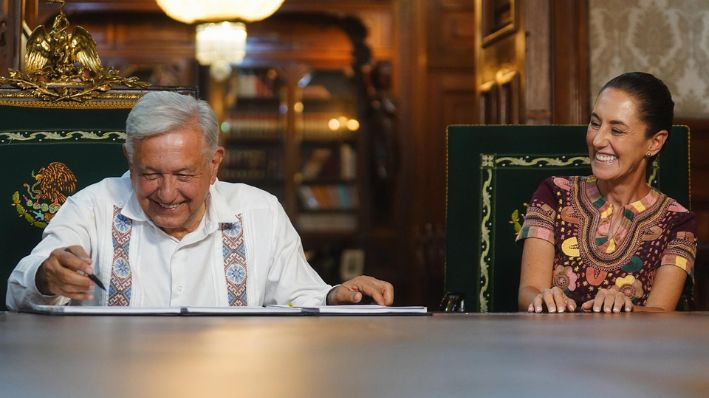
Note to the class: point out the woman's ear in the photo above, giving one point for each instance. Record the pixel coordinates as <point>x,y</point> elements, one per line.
<point>658,141</point>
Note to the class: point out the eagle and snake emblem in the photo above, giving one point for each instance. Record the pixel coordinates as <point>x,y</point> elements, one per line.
<point>40,201</point>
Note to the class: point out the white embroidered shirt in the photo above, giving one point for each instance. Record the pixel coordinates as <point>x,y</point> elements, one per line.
<point>169,272</point>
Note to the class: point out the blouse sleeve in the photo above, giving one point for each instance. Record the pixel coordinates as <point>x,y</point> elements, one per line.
<point>539,220</point>
<point>681,248</point>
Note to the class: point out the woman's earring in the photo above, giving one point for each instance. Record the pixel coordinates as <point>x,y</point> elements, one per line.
<point>648,155</point>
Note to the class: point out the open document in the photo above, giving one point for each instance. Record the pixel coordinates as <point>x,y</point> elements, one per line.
<point>230,311</point>
<point>365,310</point>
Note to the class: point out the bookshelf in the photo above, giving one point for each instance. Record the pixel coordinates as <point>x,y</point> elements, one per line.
<point>296,132</point>
<point>253,131</point>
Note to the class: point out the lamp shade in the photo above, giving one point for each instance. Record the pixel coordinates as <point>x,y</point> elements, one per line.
<point>189,11</point>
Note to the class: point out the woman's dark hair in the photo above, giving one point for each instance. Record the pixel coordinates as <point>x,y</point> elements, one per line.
<point>656,105</point>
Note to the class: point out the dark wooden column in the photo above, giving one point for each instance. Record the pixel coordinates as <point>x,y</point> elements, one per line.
<point>436,75</point>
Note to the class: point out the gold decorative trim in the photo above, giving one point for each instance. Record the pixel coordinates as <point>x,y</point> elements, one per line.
<point>61,136</point>
<point>116,99</point>
<point>487,166</point>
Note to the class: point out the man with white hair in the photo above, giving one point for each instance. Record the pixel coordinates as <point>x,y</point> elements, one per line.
<point>169,234</point>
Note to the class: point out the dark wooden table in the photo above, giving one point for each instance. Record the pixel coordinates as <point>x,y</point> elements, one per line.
<point>462,355</point>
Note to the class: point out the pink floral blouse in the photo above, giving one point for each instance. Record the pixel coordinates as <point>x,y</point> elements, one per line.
<point>571,214</point>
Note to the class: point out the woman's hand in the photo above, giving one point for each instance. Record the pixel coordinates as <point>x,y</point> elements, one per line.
<point>553,300</point>
<point>608,300</point>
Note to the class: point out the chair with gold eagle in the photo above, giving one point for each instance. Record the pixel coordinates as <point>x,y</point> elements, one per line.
<point>492,171</point>
<point>62,124</point>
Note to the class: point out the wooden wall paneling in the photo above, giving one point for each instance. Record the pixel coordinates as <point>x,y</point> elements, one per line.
<point>380,38</point>
<point>149,45</point>
<point>509,99</point>
<point>498,18</point>
<point>546,43</point>
<point>570,68</point>
<point>499,53</point>
<point>489,103</point>
<point>404,69</point>
<point>537,61</point>
<point>410,87</point>
<point>437,88</point>
<point>449,33</point>
<point>88,6</point>
<point>376,15</point>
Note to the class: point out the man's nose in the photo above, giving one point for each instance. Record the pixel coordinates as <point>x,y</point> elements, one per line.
<point>167,191</point>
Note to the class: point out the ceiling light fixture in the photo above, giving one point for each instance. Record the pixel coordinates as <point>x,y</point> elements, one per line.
<point>219,43</point>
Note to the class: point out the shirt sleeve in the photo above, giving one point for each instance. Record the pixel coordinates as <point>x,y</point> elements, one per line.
<point>539,220</point>
<point>291,280</point>
<point>681,248</point>
<point>67,228</point>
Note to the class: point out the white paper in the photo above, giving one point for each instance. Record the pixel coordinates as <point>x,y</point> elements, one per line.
<point>270,310</point>
<point>368,310</point>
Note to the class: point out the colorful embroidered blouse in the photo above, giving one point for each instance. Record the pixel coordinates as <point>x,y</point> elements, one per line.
<point>570,213</point>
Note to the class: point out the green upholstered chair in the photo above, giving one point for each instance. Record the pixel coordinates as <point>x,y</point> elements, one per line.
<point>492,172</point>
<point>47,152</point>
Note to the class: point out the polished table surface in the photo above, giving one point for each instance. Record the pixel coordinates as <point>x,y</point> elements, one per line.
<point>444,355</point>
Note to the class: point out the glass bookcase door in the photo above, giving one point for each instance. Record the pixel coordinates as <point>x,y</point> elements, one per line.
<point>253,131</point>
<point>328,135</point>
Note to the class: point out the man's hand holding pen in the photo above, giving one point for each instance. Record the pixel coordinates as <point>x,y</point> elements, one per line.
<point>67,272</point>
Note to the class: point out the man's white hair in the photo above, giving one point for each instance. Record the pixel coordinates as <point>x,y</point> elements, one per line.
<point>159,112</point>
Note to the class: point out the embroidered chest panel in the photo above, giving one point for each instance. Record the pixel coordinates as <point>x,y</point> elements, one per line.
<point>642,227</point>
<point>233,254</point>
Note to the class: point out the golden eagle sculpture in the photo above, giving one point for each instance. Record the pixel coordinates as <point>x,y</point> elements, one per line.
<point>62,50</point>
<point>62,64</point>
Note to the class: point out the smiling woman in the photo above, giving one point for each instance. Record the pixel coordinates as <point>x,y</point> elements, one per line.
<point>609,242</point>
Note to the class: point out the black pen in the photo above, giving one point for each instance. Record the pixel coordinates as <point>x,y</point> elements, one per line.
<point>96,280</point>
<point>93,277</point>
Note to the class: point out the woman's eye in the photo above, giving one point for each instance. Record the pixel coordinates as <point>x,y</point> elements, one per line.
<point>594,124</point>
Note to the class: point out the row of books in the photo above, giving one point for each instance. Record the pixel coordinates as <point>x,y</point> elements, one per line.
<point>324,162</point>
<point>327,222</point>
<point>254,125</point>
<point>254,163</point>
<point>328,197</point>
